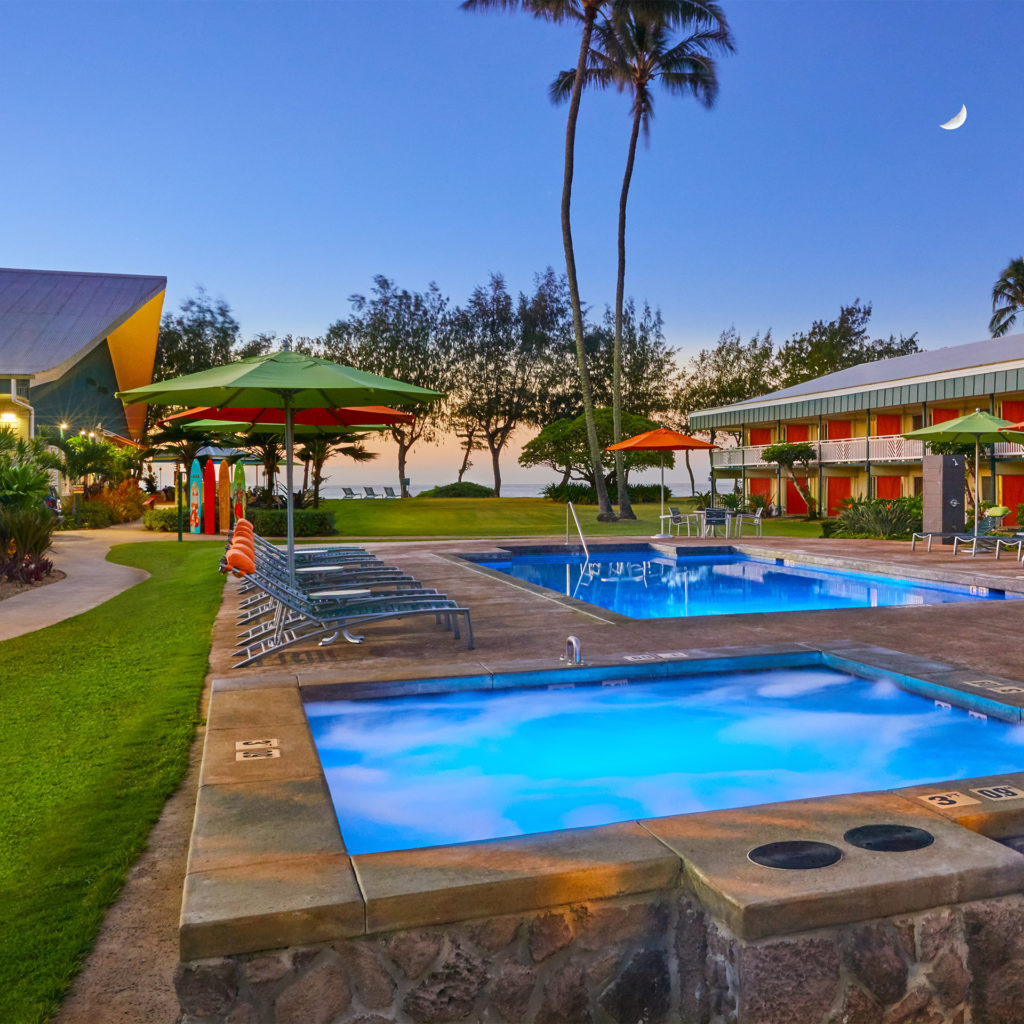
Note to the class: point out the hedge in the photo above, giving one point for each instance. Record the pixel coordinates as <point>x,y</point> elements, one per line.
<point>309,522</point>
<point>581,494</point>
<point>462,489</point>
<point>165,519</point>
<point>267,522</point>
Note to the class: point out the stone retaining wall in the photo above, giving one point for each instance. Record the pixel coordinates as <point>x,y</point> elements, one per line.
<point>650,958</point>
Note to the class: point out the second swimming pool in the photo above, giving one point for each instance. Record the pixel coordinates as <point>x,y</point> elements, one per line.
<point>644,584</point>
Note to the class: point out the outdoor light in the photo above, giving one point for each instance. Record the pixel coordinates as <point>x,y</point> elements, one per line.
<point>8,417</point>
<point>63,426</point>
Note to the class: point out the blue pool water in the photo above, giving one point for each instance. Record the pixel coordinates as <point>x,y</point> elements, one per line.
<point>645,585</point>
<point>420,771</point>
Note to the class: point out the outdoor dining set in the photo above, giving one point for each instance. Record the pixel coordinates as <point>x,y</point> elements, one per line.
<point>712,522</point>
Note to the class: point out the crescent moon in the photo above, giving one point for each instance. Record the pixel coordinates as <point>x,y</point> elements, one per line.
<point>955,122</point>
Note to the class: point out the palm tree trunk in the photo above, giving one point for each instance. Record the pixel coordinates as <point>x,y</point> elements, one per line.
<point>625,508</point>
<point>689,469</point>
<point>604,506</point>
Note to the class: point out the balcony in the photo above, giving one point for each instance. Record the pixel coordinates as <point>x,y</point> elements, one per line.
<point>850,450</point>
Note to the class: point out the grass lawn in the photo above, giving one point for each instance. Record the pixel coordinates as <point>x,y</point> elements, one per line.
<point>506,517</point>
<point>98,714</point>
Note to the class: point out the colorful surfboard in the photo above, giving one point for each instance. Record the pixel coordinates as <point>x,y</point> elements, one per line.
<point>209,498</point>
<point>238,491</point>
<point>224,495</point>
<point>195,498</point>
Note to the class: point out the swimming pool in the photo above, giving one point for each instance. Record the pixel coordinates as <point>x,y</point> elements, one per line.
<point>644,584</point>
<point>418,771</point>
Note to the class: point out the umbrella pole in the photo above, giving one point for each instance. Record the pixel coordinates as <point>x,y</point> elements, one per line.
<point>289,426</point>
<point>977,487</point>
<point>661,521</point>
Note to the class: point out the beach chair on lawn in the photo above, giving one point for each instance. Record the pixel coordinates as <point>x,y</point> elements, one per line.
<point>348,492</point>
<point>370,492</point>
<point>390,492</point>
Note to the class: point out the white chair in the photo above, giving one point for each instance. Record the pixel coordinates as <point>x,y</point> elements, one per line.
<point>754,520</point>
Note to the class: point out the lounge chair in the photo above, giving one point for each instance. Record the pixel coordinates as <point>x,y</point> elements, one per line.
<point>987,526</point>
<point>347,492</point>
<point>299,619</point>
<point>371,493</point>
<point>390,492</point>
<point>746,517</point>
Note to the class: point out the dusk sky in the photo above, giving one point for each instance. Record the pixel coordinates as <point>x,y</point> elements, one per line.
<point>281,154</point>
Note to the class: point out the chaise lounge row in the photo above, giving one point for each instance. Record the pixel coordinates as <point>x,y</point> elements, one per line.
<point>338,588</point>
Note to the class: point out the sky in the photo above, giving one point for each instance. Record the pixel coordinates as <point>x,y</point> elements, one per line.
<point>281,154</point>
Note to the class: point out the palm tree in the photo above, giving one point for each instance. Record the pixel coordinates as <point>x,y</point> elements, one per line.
<point>585,11</point>
<point>315,452</point>
<point>633,49</point>
<point>1008,290</point>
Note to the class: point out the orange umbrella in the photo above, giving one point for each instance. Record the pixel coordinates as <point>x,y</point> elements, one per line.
<point>660,440</point>
<point>365,415</point>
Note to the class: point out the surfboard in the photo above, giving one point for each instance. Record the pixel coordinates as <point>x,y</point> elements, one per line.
<point>224,495</point>
<point>209,498</point>
<point>238,491</point>
<point>195,498</point>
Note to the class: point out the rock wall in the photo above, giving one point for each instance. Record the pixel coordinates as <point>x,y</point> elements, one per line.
<point>658,957</point>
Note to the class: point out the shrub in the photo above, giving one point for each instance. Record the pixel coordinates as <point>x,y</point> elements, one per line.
<point>880,518</point>
<point>702,499</point>
<point>23,485</point>
<point>731,501</point>
<point>25,536</point>
<point>124,501</point>
<point>465,489</point>
<point>94,515</point>
<point>309,522</point>
<point>1020,515</point>
<point>756,501</point>
<point>581,494</point>
<point>165,519</point>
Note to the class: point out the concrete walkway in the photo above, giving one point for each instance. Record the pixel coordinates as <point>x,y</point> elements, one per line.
<point>91,579</point>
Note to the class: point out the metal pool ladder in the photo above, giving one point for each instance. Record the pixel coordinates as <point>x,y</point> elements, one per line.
<point>579,530</point>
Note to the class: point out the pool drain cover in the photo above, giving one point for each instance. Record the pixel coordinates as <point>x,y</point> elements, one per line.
<point>796,854</point>
<point>889,838</point>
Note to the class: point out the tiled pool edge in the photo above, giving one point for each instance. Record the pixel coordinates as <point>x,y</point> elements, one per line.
<point>268,869</point>
<point>272,811</point>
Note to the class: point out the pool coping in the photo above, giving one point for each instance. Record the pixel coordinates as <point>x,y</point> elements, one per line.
<point>268,866</point>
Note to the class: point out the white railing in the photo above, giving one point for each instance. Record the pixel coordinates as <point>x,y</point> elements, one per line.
<point>891,448</point>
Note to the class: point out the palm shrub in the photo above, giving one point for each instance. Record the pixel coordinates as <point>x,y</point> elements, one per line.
<point>881,518</point>
<point>25,536</point>
<point>23,485</point>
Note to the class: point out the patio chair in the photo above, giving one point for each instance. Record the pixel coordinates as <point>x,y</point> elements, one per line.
<point>390,492</point>
<point>716,519</point>
<point>678,519</point>
<point>371,493</point>
<point>746,517</point>
<point>348,492</point>
<point>1014,542</point>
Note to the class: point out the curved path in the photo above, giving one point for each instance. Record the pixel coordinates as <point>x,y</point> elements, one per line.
<point>91,579</point>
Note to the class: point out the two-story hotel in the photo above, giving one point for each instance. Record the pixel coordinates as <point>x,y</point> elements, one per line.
<point>854,419</point>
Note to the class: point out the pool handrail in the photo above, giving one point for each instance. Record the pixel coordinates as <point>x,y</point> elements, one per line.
<point>569,508</point>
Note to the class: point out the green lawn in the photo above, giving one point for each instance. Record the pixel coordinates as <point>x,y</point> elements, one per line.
<point>505,517</point>
<point>98,713</point>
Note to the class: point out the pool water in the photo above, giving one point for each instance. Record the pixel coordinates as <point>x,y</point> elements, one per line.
<point>644,585</point>
<point>420,771</point>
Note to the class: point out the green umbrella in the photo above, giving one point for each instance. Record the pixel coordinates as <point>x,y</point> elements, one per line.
<point>298,429</point>
<point>285,380</point>
<point>975,428</point>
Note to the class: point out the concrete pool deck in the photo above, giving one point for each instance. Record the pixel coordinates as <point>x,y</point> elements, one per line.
<point>517,629</point>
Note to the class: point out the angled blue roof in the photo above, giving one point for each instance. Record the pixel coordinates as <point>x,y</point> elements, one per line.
<point>49,316</point>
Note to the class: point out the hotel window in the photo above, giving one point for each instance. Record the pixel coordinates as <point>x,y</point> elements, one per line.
<point>21,387</point>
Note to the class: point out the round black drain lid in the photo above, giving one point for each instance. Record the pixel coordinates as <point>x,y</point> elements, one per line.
<point>889,838</point>
<point>795,855</point>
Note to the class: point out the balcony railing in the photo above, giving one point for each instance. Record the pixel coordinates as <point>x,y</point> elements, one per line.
<point>850,450</point>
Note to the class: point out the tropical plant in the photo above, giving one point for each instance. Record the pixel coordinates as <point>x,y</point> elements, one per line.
<point>789,455</point>
<point>882,518</point>
<point>633,49</point>
<point>1007,298</point>
<point>702,499</point>
<point>25,535</point>
<point>758,501</point>
<point>733,502</point>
